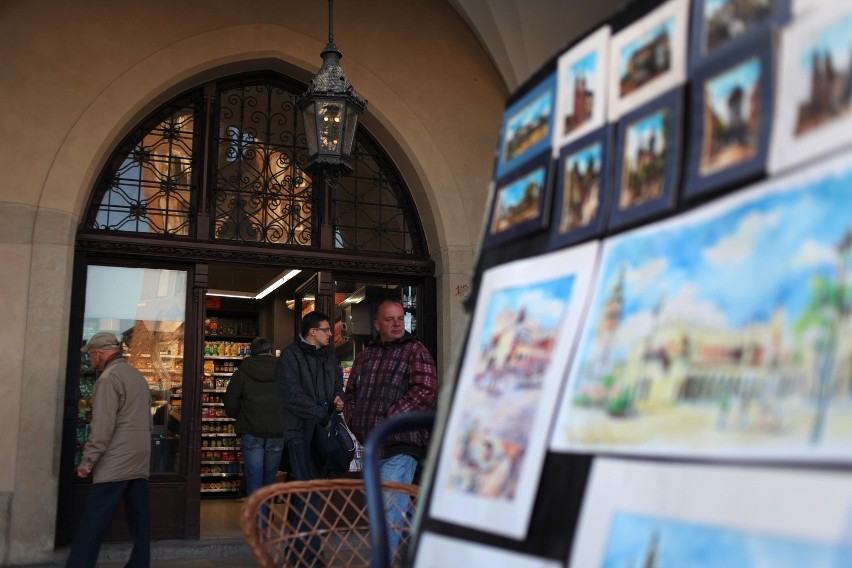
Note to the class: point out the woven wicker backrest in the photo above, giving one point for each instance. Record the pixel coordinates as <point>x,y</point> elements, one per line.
<point>323,522</point>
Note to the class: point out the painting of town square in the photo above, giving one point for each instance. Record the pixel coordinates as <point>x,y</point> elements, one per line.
<point>581,85</point>
<point>527,127</point>
<point>518,205</point>
<point>521,337</point>
<point>633,515</point>
<point>814,93</point>
<point>581,189</point>
<point>732,116</point>
<point>648,57</point>
<point>726,331</point>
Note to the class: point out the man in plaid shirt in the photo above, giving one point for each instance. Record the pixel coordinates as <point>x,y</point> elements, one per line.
<point>394,373</point>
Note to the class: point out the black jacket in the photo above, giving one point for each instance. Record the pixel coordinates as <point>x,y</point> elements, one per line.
<point>307,377</point>
<point>252,398</point>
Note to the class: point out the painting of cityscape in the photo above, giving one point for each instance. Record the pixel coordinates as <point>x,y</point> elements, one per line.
<point>648,58</point>
<point>519,202</point>
<point>581,88</point>
<point>814,94</point>
<point>647,152</point>
<point>527,127</point>
<point>634,515</point>
<point>581,189</point>
<point>724,332</point>
<point>522,334</point>
<point>732,114</point>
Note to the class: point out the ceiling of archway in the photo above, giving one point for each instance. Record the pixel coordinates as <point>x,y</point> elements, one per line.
<point>521,35</point>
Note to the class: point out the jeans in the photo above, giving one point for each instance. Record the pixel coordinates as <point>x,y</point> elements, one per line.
<point>399,468</point>
<point>261,456</point>
<point>304,469</point>
<point>100,507</point>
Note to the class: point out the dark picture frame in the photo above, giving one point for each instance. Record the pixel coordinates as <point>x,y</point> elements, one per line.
<point>582,188</point>
<point>520,201</point>
<point>723,28</point>
<point>527,127</point>
<point>731,111</point>
<point>645,175</point>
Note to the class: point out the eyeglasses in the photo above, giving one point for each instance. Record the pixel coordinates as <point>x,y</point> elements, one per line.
<point>323,329</point>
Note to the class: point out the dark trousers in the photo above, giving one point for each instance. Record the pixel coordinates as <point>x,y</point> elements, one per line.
<point>100,508</point>
<point>303,468</point>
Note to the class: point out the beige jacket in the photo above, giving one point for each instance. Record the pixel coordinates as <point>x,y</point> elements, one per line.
<point>119,444</point>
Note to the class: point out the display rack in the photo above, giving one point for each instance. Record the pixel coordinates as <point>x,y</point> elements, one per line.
<point>221,460</point>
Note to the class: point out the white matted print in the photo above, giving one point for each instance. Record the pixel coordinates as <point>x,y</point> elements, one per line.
<point>707,515</point>
<point>725,331</point>
<point>522,334</point>
<point>438,551</point>
<point>648,58</point>
<point>581,89</point>
<point>813,107</point>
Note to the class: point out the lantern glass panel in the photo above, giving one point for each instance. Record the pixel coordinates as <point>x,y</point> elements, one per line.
<point>330,118</point>
<point>310,118</point>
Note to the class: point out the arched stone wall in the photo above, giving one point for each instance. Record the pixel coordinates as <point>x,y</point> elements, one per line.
<point>77,76</point>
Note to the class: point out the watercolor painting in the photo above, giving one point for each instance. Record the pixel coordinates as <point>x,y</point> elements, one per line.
<point>732,116</point>
<point>644,159</point>
<point>527,127</point>
<point>438,551</point>
<point>526,317</point>
<point>814,93</point>
<point>519,201</point>
<point>581,88</point>
<point>725,332</point>
<point>582,189</point>
<point>673,515</point>
<point>648,57</point>
<point>728,19</point>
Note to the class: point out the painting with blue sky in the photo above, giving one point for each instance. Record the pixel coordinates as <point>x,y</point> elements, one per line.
<point>527,126</point>
<point>581,89</point>
<point>524,324</point>
<point>726,331</point>
<point>665,514</point>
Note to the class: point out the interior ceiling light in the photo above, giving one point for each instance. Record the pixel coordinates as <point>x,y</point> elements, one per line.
<point>275,284</point>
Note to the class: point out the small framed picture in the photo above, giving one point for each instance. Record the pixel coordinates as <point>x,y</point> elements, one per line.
<point>519,202</point>
<point>813,105</point>
<point>582,189</point>
<point>581,89</point>
<point>648,58</point>
<point>527,127</point>
<point>646,160</point>
<point>724,27</point>
<point>731,109</point>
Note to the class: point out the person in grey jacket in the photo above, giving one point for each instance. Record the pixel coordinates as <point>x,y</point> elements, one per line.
<point>310,386</point>
<point>252,398</point>
<point>118,453</point>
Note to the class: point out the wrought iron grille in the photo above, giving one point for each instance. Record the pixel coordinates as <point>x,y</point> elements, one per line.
<point>150,188</point>
<point>371,210</point>
<point>260,192</point>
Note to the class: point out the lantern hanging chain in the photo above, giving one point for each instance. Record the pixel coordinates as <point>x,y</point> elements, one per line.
<point>330,22</point>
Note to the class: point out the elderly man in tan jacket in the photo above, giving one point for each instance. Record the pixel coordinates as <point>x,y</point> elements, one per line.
<point>118,452</point>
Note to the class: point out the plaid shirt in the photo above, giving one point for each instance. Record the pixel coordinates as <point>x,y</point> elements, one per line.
<point>389,379</point>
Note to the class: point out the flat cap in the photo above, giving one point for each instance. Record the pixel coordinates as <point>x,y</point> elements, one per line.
<point>100,340</point>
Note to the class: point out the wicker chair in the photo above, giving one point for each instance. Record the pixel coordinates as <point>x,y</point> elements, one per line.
<point>323,522</point>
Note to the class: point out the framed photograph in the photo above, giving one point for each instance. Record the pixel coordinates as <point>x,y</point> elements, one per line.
<point>813,93</point>
<point>723,28</point>
<point>527,128</point>
<point>731,109</point>
<point>664,514</point>
<point>723,332</point>
<point>581,192</point>
<point>438,551</point>
<point>520,201</point>
<point>521,337</point>
<point>647,155</point>
<point>581,89</point>
<point>648,58</point>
